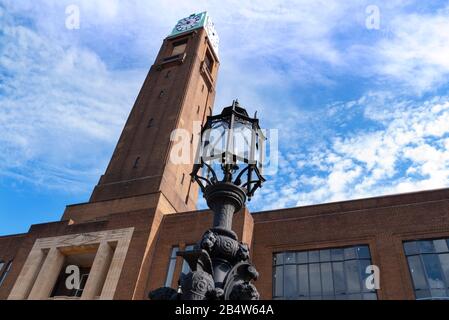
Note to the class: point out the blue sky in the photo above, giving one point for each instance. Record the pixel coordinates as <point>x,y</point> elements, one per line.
<point>361,112</point>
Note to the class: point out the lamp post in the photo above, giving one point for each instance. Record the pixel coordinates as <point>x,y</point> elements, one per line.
<point>228,170</point>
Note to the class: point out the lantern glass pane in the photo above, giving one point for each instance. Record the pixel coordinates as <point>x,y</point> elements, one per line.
<point>215,140</point>
<point>241,139</point>
<point>260,149</point>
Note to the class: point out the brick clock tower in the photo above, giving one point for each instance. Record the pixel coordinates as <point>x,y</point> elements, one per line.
<point>179,89</point>
<point>112,237</point>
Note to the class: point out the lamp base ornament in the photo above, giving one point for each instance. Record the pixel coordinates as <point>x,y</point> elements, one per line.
<point>220,266</point>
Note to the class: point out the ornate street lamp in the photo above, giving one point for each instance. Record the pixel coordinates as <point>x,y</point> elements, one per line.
<point>228,170</point>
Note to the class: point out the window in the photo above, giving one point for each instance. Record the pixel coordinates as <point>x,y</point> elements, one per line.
<point>60,289</point>
<point>209,62</point>
<point>171,267</point>
<point>136,162</point>
<point>185,265</point>
<point>182,178</point>
<point>428,262</point>
<point>179,47</point>
<point>322,274</point>
<point>5,271</point>
<point>80,261</point>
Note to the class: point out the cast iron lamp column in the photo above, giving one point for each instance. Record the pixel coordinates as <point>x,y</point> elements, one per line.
<point>228,171</point>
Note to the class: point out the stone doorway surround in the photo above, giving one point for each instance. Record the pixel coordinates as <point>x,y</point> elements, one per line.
<point>45,260</point>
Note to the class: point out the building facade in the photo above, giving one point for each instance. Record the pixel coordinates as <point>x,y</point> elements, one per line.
<point>123,242</point>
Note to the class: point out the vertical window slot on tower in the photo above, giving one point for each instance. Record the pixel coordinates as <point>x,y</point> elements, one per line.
<point>161,94</point>
<point>182,179</point>
<point>198,110</point>
<point>136,162</point>
<point>150,123</point>
<point>179,47</point>
<point>168,74</point>
<point>209,62</point>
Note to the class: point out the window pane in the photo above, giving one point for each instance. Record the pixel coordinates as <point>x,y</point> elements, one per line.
<point>438,293</point>
<point>173,252</point>
<point>171,267</point>
<point>440,245</point>
<point>363,252</point>
<point>352,276</point>
<point>426,246</point>
<point>185,265</point>
<point>290,281</point>
<point>350,253</point>
<point>363,275</point>
<point>417,272</point>
<point>4,273</point>
<point>325,255</point>
<point>289,257</point>
<point>337,254</point>
<point>339,277</point>
<point>433,271</point>
<point>422,294</point>
<point>278,281</point>
<point>314,256</point>
<point>444,260</point>
<point>301,257</point>
<point>411,247</point>
<point>208,62</point>
<point>278,258</point>
<point>369,296</point>
<point>179,47</point>
<point>315,279</point>
<point>326,279</point>
<point>303,280</point>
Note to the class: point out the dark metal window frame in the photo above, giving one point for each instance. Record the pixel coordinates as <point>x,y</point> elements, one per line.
<point>420,256</point>
<point>184,263</point>
<point>319,262</point>
<point>5,270</point>
<point>171,259</point>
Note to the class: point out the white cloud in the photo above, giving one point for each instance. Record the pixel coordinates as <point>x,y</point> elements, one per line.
<point>417,50</point>
<point>409,153</point>
<point>61,109</point>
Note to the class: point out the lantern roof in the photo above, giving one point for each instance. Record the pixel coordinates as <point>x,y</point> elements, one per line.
<point>236,110</point>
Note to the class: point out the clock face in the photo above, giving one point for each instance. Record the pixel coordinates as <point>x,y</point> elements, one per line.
<point>212,34</point>
<point>188,23</point>
<point>195,21</point>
